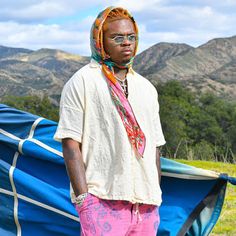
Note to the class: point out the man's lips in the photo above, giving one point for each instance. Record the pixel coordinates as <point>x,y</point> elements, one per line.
<point>126,51</point>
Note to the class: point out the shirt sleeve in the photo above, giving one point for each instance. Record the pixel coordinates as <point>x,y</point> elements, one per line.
<point>71,120</point>
<point>160,140</point>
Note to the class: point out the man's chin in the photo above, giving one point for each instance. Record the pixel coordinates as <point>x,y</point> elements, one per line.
<point>126,60</point>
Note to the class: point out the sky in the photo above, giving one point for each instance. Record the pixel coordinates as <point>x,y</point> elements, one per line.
<point>66,24</point>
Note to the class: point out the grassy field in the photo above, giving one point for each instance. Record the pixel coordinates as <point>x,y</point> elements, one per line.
<point>226,225</point>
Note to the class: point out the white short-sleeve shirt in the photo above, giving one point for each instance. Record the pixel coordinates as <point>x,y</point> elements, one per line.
<point>89,116</point>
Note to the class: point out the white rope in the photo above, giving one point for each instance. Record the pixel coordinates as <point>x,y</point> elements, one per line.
<point>40,204</point>
<point>11,171</point>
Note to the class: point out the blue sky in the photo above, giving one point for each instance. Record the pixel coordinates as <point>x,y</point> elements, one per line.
<point>65,24</point>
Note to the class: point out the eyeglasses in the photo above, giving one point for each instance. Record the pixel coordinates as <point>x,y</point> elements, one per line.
<point>119,39</point>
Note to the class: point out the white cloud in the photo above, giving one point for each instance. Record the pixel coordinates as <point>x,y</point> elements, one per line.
<point>176,17</point>
<point>44,36</point>
<point>184,24</point>
<point>41,10</point>
<point>35,10</point>
<point>136,6</point>
<point>65,24</point>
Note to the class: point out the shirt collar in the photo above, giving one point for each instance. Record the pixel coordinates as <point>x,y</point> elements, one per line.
<point>94,64</point>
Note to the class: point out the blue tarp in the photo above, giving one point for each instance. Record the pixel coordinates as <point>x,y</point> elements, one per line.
<point>34,187</point>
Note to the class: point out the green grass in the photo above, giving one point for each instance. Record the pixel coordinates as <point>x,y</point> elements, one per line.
<point>227,220</point>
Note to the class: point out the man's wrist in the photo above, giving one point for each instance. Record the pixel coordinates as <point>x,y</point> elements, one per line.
<point>80,198</point>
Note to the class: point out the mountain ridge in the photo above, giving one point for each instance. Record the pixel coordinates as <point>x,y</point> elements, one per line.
<point>209,67</point>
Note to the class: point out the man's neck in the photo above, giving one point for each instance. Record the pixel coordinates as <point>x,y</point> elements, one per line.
<point>120,73</point>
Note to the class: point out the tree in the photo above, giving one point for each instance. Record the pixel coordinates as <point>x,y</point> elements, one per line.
<point>197,126</point>
<point>33,104</point>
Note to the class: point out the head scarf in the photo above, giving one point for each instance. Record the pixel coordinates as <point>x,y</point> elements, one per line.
<point>134,132</point>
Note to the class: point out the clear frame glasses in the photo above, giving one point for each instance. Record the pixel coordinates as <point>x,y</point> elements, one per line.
<point>119,39</point>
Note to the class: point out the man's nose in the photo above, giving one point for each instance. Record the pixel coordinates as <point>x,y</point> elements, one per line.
<point>126,41</point>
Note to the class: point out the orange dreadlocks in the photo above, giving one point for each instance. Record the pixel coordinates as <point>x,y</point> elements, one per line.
<point>115,14</point>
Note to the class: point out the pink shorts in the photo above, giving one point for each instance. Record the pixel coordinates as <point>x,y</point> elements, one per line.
<point>117,218</point>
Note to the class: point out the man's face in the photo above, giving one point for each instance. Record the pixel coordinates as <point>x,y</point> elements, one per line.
<point>120,53</point>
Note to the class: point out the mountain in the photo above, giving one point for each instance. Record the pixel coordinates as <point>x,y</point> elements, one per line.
<point>7,51</point>
<point>154,58</point>
<point>209,67</point>
<point>27,72</point>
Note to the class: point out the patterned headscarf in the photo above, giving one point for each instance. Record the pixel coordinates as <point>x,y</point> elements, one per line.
<point>134,132</point>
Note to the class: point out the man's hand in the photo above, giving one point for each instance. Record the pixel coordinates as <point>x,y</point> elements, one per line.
<point>75,165</point>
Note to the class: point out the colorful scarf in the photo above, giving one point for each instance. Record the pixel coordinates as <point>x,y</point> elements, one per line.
<point>134,132</point>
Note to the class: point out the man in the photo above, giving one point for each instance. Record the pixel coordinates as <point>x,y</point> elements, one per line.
<point>110,130</point>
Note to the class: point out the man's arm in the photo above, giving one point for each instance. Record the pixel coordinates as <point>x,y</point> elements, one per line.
<point>158,163</point>
<point>75,165</point>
